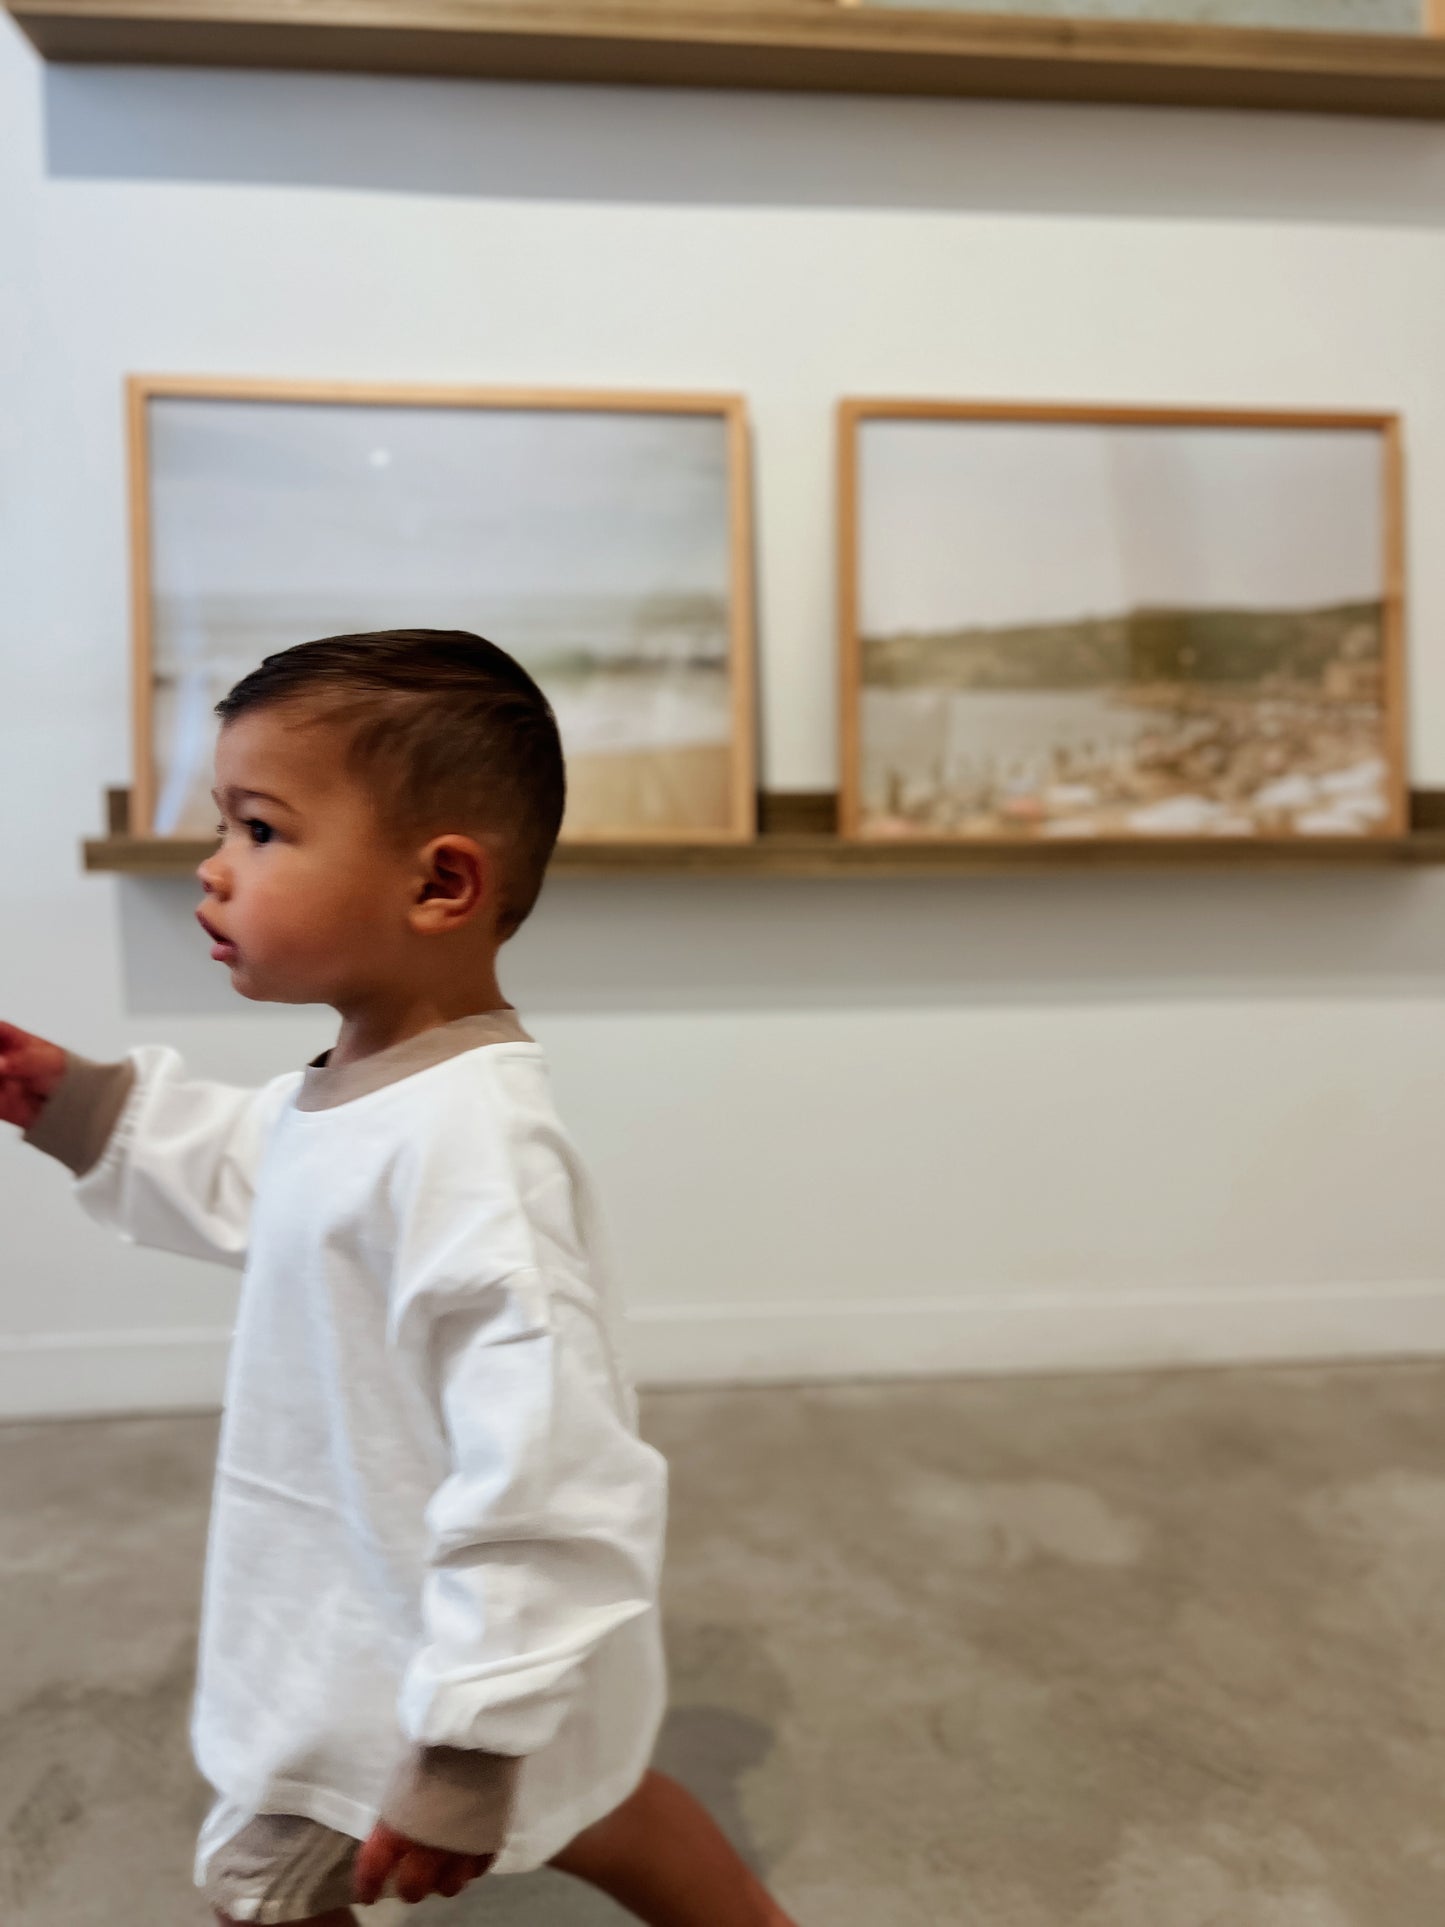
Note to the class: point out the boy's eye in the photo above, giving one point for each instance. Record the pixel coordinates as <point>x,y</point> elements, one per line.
<point>260,832</point>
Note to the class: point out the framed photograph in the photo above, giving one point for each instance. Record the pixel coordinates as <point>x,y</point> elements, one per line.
<point>1119,623</point>
<point>603,539</point>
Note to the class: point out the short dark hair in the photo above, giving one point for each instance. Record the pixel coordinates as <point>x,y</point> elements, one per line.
<point>444,727</point>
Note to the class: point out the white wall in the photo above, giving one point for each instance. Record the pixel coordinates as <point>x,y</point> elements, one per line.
<point>842,1127</point>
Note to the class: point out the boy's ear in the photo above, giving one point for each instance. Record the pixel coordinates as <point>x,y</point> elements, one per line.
<point>457,878</point>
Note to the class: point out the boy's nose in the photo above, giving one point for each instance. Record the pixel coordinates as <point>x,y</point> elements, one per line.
<point>211,875</point>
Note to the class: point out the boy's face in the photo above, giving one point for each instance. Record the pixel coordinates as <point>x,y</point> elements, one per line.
<point>307,895</point>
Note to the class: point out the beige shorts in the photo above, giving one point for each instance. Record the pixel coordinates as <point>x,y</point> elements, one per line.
<point>279,1868</point>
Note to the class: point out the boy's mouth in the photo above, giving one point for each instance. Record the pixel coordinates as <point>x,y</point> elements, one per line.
<point>222,949</point>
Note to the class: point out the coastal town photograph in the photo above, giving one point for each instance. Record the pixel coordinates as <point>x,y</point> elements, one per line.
<point>1081,629</point>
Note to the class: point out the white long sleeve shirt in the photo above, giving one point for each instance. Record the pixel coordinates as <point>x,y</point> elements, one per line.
<point>434,1524</point>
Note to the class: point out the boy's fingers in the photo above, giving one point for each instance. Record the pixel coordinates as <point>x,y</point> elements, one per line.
<point>454,1876</point>
<point>462,1870</point>
<point>412,1870</point>
<point>419,1873</point>
<point>380,1852</point>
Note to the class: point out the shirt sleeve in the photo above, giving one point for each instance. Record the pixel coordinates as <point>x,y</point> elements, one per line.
<point>452,1798</point>
<point>545,1535</point>
<point>165,1160</point>
<point>77,1118</point>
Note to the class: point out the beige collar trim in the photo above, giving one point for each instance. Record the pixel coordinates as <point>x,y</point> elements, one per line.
<point>322,1088</point>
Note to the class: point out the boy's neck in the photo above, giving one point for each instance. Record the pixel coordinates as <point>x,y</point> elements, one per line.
<point>380,1023</point>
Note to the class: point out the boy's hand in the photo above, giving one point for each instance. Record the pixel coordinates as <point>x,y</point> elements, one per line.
<point>419,1870</point>
<point>30,1069</point>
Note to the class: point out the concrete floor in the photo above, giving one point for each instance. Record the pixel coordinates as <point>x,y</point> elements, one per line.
<point>1119,1652</point>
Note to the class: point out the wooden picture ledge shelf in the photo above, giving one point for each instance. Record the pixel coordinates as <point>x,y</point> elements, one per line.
<point>831,46</point>
<point>796,840</point>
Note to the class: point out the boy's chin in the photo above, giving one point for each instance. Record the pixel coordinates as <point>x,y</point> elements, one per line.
<point>258,985</point>
<point>257,988</point>
<point>246,985</point>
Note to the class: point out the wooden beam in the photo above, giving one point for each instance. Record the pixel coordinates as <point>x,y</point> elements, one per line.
<point>774,44</point>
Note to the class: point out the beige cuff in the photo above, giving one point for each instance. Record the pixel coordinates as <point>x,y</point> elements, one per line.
<point>79,1115</point>
<point>453,1798</point>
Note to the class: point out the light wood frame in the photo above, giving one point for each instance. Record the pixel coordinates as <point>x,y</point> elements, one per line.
<point>854,413</point>
<point>141,390</point>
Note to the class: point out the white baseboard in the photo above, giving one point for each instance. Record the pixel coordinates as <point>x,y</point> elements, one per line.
<point>52,1375</point>
<point>1036,1332</point>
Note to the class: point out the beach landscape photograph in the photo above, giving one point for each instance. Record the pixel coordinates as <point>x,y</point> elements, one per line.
<point>1107,624</point>
<point>601,540</point>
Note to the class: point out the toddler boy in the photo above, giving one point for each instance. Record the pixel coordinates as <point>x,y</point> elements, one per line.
<point>430,1637</point>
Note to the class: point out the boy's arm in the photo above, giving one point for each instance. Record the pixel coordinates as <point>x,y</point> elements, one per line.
<point>545,1539</point>
<point>166,1160</point>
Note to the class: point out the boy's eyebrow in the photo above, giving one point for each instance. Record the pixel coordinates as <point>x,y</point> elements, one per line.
<point>235,794</point>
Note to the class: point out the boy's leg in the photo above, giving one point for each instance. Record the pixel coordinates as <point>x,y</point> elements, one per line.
<point>662,1857</point>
